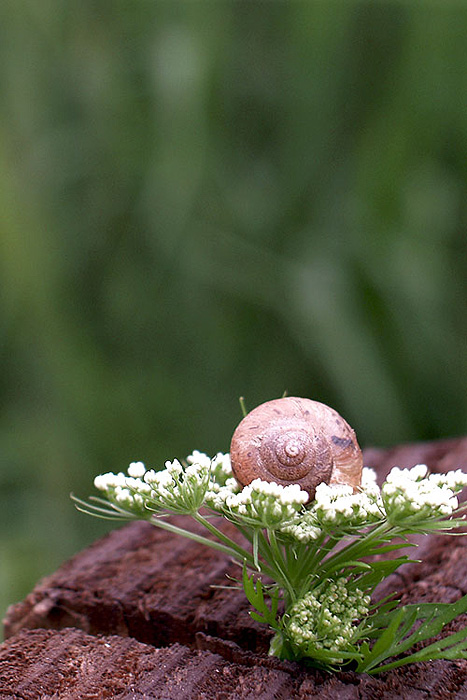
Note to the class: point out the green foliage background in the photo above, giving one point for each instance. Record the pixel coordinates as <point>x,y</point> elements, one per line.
<point>201,200</point>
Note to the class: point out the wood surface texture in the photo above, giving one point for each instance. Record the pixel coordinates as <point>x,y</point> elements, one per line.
<point>138,615</point>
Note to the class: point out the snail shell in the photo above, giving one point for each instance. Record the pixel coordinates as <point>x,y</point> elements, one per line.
<point>296,441</point>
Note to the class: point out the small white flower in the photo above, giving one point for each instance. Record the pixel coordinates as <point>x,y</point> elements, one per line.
<point>136,469</point>
<point>174,468</point>
<point>200,458</point>
<point>101,482</point>
<point>419,471</point>
<point>104,482</point>
<point>151,476</point>
<point>336,505</point>
<point>123,496</point>
<point>455,480</point>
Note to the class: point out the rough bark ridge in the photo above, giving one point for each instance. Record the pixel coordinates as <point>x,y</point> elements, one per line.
<point>170,634</point>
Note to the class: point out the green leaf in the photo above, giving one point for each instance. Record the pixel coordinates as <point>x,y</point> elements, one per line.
<point>383,646</point>
<point>274,603</point>
<point>379,571</point>
<point>383,549</point>
<point>453,646</point>
<point>255,596</point>
<point>257,617</point>
<point>396,638</point>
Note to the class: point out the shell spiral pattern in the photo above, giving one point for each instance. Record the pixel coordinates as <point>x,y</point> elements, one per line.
<point>296,441</point>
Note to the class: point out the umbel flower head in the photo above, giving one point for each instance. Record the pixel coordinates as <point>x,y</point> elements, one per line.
<point>317,556</point>
<point>409,493</point>
<point>406,495</point>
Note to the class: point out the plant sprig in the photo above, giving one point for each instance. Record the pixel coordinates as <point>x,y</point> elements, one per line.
<point>309,569</point>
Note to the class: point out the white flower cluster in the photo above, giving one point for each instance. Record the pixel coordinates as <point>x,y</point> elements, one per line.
<point>304,528</point>
<point>260,504</point>
<point>325,617</point>
<point>410,492</point>
<point>126,491</point>
<point>221,470</point>
<point>177,488</point>
<point>337,506</point>
<point>217,496</point>
<point>407,493</point>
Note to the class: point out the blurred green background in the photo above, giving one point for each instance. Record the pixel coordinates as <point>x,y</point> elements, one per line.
<point>202,200</point>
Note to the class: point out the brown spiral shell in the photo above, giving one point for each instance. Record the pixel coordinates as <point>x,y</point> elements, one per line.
<point>296,441</point>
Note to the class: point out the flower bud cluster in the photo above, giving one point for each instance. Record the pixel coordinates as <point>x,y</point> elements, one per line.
<point>337,505</point>
<point>218,495</point>
<point>409,493</point>
<point>261,504</point>
<point>125,491</point>
<point>177,488</point>
<point>304,528</point>
<point>324,619</point>
<point>221,469</point>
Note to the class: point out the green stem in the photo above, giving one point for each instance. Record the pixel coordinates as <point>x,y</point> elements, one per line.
<point>264,547</point>
<point>310,562</point>
<point>240,553</point>
<point>318,553</point>
<point>267,555</point>
<point>358,548</point>
<point>281,566</point>
<point>236,553</point>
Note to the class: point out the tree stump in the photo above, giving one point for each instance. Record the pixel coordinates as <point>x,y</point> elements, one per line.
<point>142,613</point>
